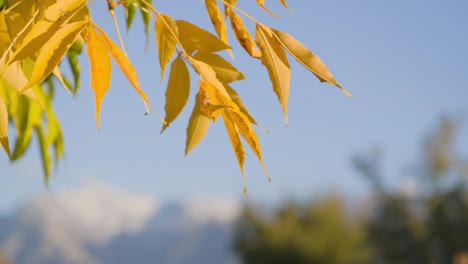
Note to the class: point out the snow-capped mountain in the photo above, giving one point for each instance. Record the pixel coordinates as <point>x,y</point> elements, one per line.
<point>98,224</point>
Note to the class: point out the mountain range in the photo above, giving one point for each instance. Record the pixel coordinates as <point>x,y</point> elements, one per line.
<point>98,224</point>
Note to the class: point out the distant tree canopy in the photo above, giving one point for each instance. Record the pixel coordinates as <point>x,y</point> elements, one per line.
<point>427,226</point>
<point>318,232</point>
<point>37,36</point>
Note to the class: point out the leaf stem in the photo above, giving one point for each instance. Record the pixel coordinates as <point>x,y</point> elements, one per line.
<point>158,14</point>
<point>241,11</point>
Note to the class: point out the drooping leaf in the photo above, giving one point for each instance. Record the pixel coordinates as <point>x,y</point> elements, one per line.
<point>4,127</point>
<point>100,67</point>
<point>305,57</point>
<point>284,4</point>
<point>248,133</point>
<point>130,11</point>
<point>211,100</point>
<point>216,19</point>
<point>53,51</point>
<point>243,36</point>
<point>225,72</point>
<point>236,99</point>
<point>65,83</point>
<point>45,154</point>
<point>197,127</point>
<point>15,78</point>
<point>177,93</point>
<point>28,115</point>
<point>207,74</point>
<point>145,16</point>
<point>124,64</point>
<point>166,32</point>
<point>72,57</point>
<point>261,3</point>
<point>275,60</point>
<point>194,38</point>
<point>236,144</point>
<point>45,29</point>
<point>227,8</point>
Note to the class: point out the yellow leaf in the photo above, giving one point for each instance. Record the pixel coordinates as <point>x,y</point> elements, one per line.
<point>227,9</point>
<point>53,51</point>
<point>58,74</point>
<point>236,99</point>
<point>100,67</point>
<point>125,65</point>
<point>44,29</point>
<point>306,58</point>
<point>211,100</point>
<point>283,2</point>
<point>197,127</point>
<point>275,60</point>
<point>248,133</point>
<point>4,127</point>
<point>194,38</point>
<point>236,143</point>
<point>177,93</point>
<point>225,72</point>
<point>261,3</point>
<point>243,36</point>
<point>15,78</point>
<point>165,39</point>
<point>207,74</point>
<point>216,19</point>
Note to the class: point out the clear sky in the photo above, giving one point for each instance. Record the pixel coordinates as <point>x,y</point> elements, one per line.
<point>405,62</point>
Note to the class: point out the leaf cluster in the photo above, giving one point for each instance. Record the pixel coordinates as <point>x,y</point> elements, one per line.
<point>44,33</point>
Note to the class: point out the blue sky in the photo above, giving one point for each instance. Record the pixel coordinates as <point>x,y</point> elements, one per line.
<point>405,62</point>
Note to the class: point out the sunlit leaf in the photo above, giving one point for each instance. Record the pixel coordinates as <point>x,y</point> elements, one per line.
<point>166,32</point>
<point>275,60</point>
<point>53,51</point>
<point>243,36</point>
<point>306,58</point>
<point>42,32</point>
<point>4,127</point>
<point>236,99</point>
<point>177,93</point>
<point>197,127</point>
<point>194,38</point>
<point>208,74</point>
<point>216,19</point>
<point>248,133</point>
<point>227,9</point>
<point>236,144</point>
<point>283,3</point>
<point>225,72</point>
<point>261,3</point>
<point>125,65</point>
<point>100,67</point>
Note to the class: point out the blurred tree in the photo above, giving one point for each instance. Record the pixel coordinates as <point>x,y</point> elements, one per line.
<point>430,226</point>
<point>319,232</point>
